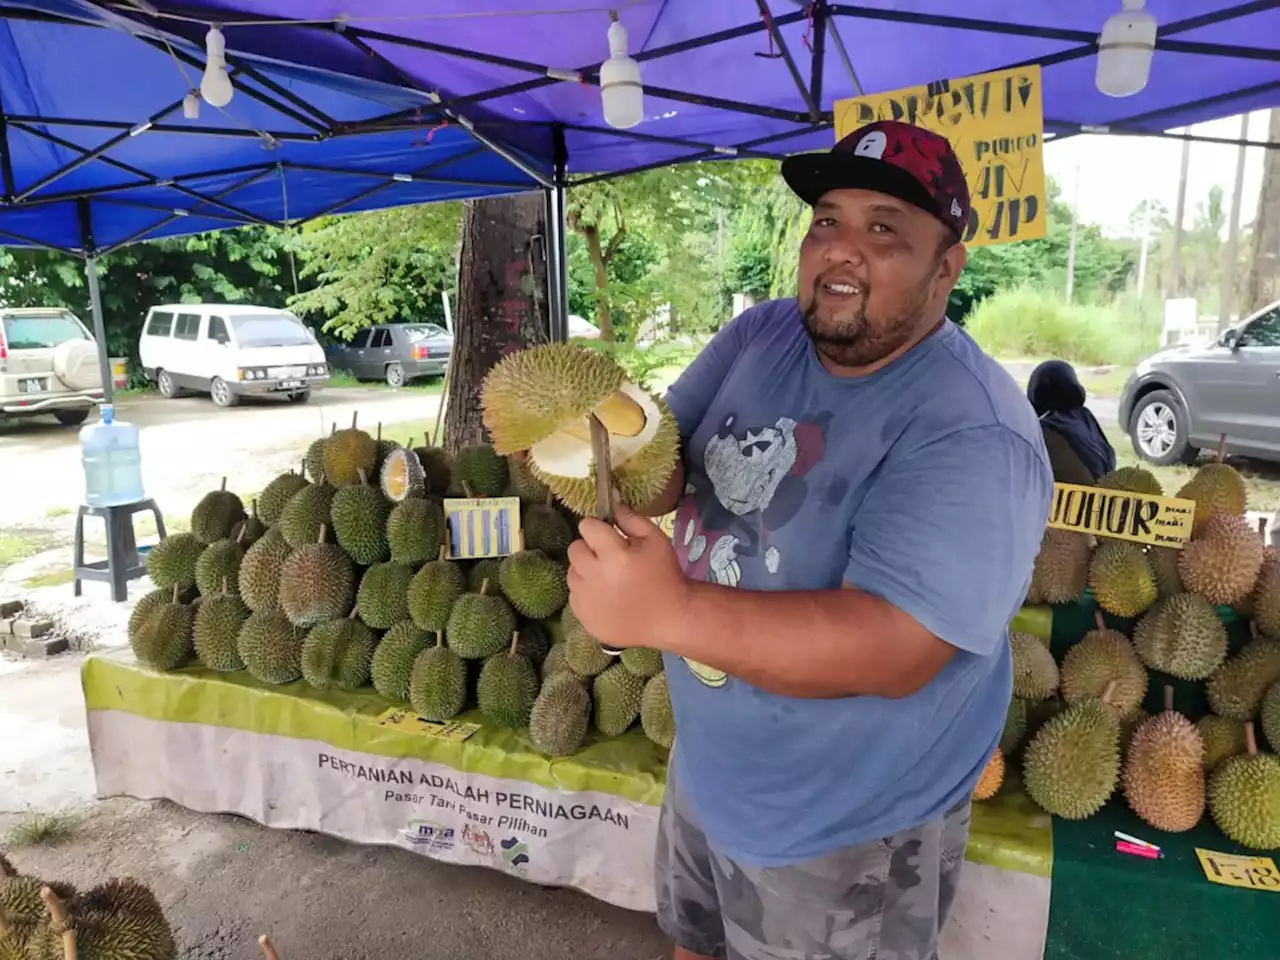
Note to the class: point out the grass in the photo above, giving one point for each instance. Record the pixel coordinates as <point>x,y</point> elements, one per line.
<point>44,829</point>
<point>1107,382</point>
<point>419,431</point>
<point>15,547</point>
<point>1262,480</point>
<point>1028,322</point>
<point>53,512</point>
<point>344,379</point>
<point>53,578</point>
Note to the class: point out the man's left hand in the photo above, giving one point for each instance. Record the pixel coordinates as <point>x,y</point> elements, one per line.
<point>628,591</point>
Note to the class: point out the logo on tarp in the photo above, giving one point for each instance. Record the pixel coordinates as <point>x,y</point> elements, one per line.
<point>477,841</point>
<point>515,852</point>
<point>430,836</point>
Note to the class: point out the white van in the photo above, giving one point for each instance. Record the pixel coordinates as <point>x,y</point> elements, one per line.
<point>230,351</point>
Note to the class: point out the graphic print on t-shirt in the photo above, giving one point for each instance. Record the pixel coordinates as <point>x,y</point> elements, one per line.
<point>752,483</point>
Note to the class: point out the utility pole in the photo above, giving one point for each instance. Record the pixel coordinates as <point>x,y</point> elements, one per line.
<point>1145,249</point>
<point>1071,247</point>
<point>1174,283</point>
<point>1227,294</point>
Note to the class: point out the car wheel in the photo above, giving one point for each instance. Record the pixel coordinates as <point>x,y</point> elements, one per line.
<point>302,396</point>
<point>164,383</point>
<point>71,418</point>
<point>221,393</point>
<point>1158,430</point>
<point>395,375</point>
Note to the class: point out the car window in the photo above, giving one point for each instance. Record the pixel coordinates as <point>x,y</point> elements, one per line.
<point>217,330</point>
<point>425,331</point>
<point>1264,331</point>
<point>361,339</point>
<point>382,338</point>
<point>160,324</point>
<point>188,326</point>
<point>41,332</point>
<point>269,330</point>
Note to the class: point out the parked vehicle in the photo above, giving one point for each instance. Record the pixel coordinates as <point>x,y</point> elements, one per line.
<point>230,352</point>
<point>48,365</point>
<point>397,353</point>
<point>1183,398</point>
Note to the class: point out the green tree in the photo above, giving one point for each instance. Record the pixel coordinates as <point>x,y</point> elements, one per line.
<point>377,267</point>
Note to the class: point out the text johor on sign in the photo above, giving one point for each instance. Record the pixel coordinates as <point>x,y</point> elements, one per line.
<point>1122,515</point>
<point>995,122</point>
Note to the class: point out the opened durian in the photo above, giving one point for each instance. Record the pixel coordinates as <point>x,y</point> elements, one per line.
<point>540,399</point>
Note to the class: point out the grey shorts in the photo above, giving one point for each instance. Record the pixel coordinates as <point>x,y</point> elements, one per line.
<point>885,900</point>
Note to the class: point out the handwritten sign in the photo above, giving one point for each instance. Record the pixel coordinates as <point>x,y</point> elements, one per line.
<point>1122,515</point>
<point>407,721</point>
<point>995,122</point>
<point>483,527</point>
<point>1230,870</point>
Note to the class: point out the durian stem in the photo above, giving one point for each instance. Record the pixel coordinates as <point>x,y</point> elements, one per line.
<point>58,916</point>
<point>515,643</point>
<point>303,472</point>
<point>1262,529</point>
<point>177,592</point>
<point>444,553</point>
<point>324,531</point>
<point>379,437</point>
<point>439,638</point>
<point>1168,698</point>
<point>333,428</point>
<point>1222,448</point>
<point>484,586</point>
<point>223,488</point>
<point>268,948</point>
<point>364,480</point>
<point>466,488</point>
<point>1106,694</point>
<point>354,415</point>
<point>1098,621</point>
<point>1250,740</point>
<point>253,507</point>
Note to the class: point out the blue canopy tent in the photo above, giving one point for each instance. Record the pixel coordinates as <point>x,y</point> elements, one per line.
<point>341,107</point>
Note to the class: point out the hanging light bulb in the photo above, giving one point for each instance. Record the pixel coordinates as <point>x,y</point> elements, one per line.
<point>215,85</point>
<point>621,91</point>
<point>1125,49</point>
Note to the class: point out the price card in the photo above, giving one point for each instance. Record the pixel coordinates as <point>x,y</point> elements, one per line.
<point>483,527</point>
<point>1253,873</point>
<point>407,721</point>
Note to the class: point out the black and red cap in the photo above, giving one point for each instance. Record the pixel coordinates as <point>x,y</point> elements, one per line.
<point>900,160</point>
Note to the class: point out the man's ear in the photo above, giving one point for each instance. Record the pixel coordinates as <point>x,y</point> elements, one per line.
<point>949,266</point>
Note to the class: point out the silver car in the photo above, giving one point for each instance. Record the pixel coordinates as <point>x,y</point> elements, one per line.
<point>395,352</point>
<point>1183,398</point>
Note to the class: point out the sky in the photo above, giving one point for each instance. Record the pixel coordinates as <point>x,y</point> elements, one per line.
<point>1116,173</point>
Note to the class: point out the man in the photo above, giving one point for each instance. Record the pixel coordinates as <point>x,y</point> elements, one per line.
<point>875,488</point>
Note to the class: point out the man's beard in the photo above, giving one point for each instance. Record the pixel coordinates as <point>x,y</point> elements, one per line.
<point>853,339</point>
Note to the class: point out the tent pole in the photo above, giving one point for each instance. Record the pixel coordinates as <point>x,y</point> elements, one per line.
<point>95,297</point>
<point>557,266</point>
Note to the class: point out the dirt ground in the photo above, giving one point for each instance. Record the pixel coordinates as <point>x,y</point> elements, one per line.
<point>224,880</point>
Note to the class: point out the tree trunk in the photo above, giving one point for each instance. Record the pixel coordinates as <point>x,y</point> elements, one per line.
<point>1264,269</point>
<point>600,264</point>
<point>502,302</point>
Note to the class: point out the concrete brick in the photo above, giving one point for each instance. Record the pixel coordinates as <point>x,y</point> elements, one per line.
<point>10,608</point>
<point>37,649</point>
<point>6,626</point>
<point>31,629</point>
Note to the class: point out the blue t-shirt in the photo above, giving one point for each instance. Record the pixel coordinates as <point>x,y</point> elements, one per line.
<point>925,483</point>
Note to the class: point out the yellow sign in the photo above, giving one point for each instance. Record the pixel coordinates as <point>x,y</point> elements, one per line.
<point>407,721</point>
<point>995,122</point>
<point>483,527</point>
<point>667,524</point>
<point>1122,515</point>
<point>1254,873</point>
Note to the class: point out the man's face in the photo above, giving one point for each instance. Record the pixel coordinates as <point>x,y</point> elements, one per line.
<point>875,274</point>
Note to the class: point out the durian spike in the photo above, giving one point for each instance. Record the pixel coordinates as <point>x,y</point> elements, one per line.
<point>1222,448</point>
<point>604,469</point>
<point>515,643</point>
<point>1168,698</point>
<point>224,586</point>
<point>324,532</point>
<point>1250,739</point>
<point>268,948</point>
<point>484,586</point>
<point>58,916</point>
<point>1098,621</point>
<point>1106,694</point>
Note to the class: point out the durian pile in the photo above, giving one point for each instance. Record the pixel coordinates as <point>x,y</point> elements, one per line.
<point>117,920</point>
<point>1078,724</point>
<point>337,575</point>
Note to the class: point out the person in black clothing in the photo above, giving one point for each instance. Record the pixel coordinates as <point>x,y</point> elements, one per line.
<point>1079,451</point>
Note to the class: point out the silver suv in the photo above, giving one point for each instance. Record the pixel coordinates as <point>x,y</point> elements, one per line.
<point>1183,398</point>
<point>48,364</point>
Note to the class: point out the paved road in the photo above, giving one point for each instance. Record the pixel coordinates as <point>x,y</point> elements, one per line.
<point>188,444</point>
